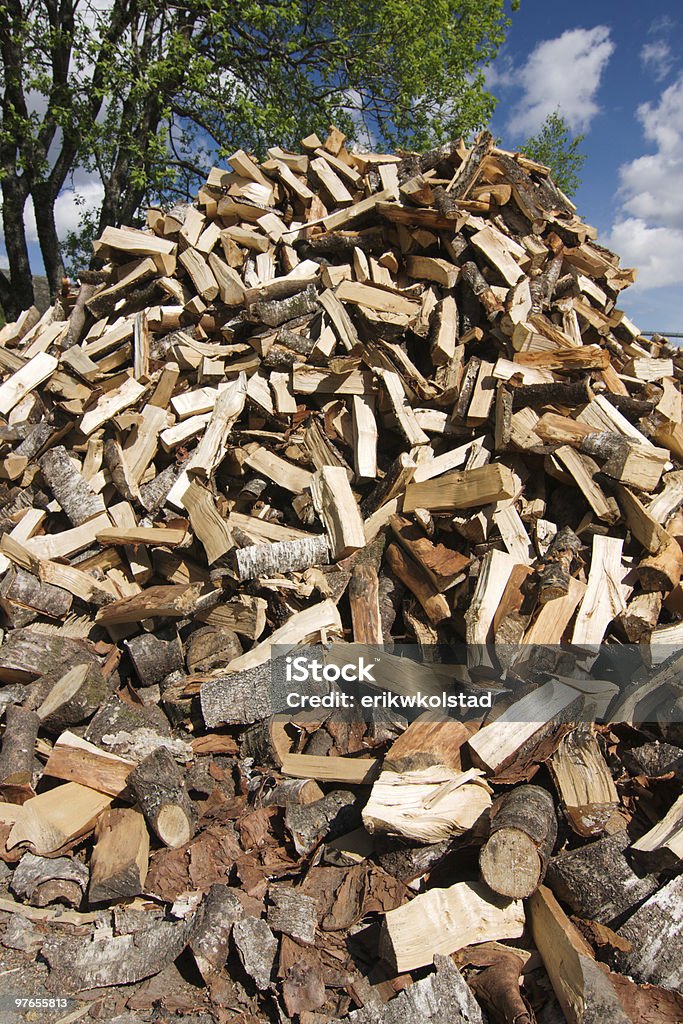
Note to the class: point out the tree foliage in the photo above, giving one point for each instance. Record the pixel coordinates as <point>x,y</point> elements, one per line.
<point>557,148</point>
<point>147,93</point>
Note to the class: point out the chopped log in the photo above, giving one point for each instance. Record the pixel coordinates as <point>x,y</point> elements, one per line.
<point>441,921</point>
<point>364,594</point>
<point>286,556</point>
<point>583,991</point>
<point>426,804</point>
<point>416,579</point>
<point>347,770</point>
<point>44,880</point>
<point>74,697</point>
<point>241,698</point>
<point>514,859</point>
<point>209,941</point>
<point>17,758</point>
<point>443,565</point>
<point>461,490</point>
<point>50,821</point>
<point>158,786</point>
<point>583,782</point>
<point>604,598</point>
<point>118,867</point>
<point>495,743</point>
<point>212,530</point>
<point>442,995</point>
<point>656,938</point>
<point>77,760</point>
<point>165,602</point>
<point>336,505</point>
<point>155,658</point>
<point>662,846</point>
<point>597,881</point>
<point>21,592</point>
<point>69,486</point>
<point>105,960</point>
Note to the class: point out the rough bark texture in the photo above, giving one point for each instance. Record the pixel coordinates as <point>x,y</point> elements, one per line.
<point>69,487</point>
<point>523,833</point>
<point>597,881</point>
<point>160,791</point>
<point>17,757</point>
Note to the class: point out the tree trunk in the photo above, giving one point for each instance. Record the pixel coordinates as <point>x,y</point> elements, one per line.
<point>44,206</point>
<point>20,295</point>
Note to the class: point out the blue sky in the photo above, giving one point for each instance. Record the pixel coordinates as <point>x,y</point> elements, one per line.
<point>615,70</point>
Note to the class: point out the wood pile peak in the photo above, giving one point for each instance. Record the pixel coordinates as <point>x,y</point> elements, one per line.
<point>344,398</point>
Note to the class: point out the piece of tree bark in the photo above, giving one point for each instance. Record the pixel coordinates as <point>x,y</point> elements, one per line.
<point>523,832</point>
<point>256,947</point>
<point>210,938</point>
<point>656,937</point>
<point>158,786</point>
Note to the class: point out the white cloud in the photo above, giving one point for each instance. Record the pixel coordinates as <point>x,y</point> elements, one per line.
<point>657,58</point>
<point>657,252</point>
<point>648,232</point>
<point>563,74</point>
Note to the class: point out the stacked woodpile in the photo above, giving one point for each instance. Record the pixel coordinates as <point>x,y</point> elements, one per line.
<point>343,397</point>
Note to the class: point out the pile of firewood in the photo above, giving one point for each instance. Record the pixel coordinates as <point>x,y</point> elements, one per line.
<point>344,397</point>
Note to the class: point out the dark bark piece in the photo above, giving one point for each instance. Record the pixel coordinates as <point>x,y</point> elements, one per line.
<point>656,933</point>
<point>45,880</point>
<point>118,470</point>
<point>210,938</point>
<point>240,698</point>
<point>391,592</point>
<point>39,436</point>
<point>364,594</point>
<point>158,786</point>
<point>442,996</point>
<point>118,867</point>
<point>557,393</point>
<point>497,989</point>
<point>410,862</point>
<point>97,962</point>
<point>292,913</point>
<point>555,575</point>
<point>256,947</point>
<point>154,658</point>
<point>154,494</point>
<point>209,649</point>
<point>17,755</point>
<point>597,882</point>
<point>523,834</point>
<point>335,814</point>
<point>654,759</point>
<point>69,487</point>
